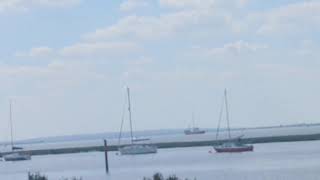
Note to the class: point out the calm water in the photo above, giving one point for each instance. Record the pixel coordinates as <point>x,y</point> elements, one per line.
<point>275,161</point>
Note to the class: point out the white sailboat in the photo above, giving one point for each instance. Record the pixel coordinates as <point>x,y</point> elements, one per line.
<point>15,154</point>
<point>232,145</point>
<point>134,148</point>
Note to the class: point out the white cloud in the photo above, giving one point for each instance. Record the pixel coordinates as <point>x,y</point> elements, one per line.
<point>21,71</point>
<point>83,50</point>
<point>195,4</point>
<point>55,3</point>
<point>290,19</point>
<point>130,5</point>
<point>36,52</point>
<point>30,71</point>
<point>198,15</point>
<point>100,49</point>
<point>56,76</point>
<point>10,4</point>
<point>186,3</point>
<point>236,48</point>
<point>156,27</point>
<point>285,71</point>
<point>18,5</point>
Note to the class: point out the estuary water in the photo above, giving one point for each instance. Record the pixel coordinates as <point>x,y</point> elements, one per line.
<point>273,161</point>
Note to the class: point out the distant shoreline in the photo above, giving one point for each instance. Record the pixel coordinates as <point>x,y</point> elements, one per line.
<point>291,138</point>
<point>114,135</point>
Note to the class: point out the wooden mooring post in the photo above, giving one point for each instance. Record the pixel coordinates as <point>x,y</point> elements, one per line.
<point>106,156</point>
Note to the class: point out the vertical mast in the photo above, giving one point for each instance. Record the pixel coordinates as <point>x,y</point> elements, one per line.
<point>220,118</point>
<point>193,122</point>
<point>130,116</point>
<point>122,121</point>
<point>11,124</point>
<point>227,112</point>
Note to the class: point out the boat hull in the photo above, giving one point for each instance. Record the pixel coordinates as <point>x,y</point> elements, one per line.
<point>140,139</point>
<point>192,132</point>
<point>234,149</point>
<point>17,157</point>
<point>138,149</point>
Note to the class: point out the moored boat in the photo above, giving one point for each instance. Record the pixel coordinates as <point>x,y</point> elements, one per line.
<point>231,145</point>
<point>134,148</point>
<point>193,130</point>
<point>139,139</point>
<point>233,148</point>
<point>15,154</point>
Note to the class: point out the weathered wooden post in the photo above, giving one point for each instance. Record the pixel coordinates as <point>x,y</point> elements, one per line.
<point>106,156</point>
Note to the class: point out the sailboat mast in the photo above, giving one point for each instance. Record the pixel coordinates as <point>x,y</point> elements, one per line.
<point>11,125</point>
<point>220,118</point>
<point>193,122</point>
<point>227,112</point>
<point>122,122</point>
<point>130,116</point>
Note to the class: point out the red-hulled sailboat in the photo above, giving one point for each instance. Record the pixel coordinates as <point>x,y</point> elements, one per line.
<point>232,145</point>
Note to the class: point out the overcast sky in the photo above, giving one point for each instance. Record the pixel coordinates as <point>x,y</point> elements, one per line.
<point>66,63</point>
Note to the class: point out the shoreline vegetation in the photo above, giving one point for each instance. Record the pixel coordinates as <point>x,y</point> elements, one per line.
<point>38,176</point>
<point>159,176</point>
<point>156,176</point>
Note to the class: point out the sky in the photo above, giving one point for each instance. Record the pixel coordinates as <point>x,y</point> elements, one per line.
<point>66,63</point>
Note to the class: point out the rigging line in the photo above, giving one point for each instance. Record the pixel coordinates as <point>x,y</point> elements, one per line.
<point>193,121</point>
<point>227,112</point>
<point>220,118</point>
<point>130,116</point>
<point>122,120</point>
<point>11,125</point>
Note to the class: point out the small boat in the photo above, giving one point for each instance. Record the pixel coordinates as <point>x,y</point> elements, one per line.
<point>16,153</point>
<point>16,156</point>
<point>134,148</point>
<point>194,129</point>
<point>231,145</point>
<point>139,139</point>
<point>138,149</point>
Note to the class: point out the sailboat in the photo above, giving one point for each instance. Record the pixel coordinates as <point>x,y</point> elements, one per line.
<point>15,155</point>
<point>194,129</point>
<point>232,145</point>
<point>133,148</point>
